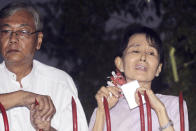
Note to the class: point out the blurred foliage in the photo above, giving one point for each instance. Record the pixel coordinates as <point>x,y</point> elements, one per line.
<point>75,34</point>
<point>179,29</point>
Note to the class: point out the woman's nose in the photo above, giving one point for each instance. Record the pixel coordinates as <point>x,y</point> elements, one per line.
<point>143,57</point>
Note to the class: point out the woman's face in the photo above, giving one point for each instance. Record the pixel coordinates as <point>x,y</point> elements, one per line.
<point>140,60</point>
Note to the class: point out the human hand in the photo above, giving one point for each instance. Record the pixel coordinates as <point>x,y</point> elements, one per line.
<point>112,94</point>
<point>46,107</point>
<point>37,122</point>
<point>155,103</point>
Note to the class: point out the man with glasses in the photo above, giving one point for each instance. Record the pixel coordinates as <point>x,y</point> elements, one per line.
<point>36,96</point>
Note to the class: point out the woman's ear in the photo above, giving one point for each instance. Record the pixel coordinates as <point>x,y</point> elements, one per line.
<point>119,63</point>
<point>158,70</point>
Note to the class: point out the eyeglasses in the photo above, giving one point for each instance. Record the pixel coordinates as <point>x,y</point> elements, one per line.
<point>20,33</point>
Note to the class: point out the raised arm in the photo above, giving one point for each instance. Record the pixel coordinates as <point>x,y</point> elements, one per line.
<point>159,108</point>
<point>112,94</point>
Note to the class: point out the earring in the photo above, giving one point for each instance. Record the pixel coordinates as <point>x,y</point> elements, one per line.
<point>157,74</point>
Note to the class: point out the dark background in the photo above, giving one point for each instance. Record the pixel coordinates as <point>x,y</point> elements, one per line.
<point>82,37</point>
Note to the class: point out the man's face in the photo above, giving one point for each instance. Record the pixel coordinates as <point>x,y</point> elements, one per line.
<point>16,47</point>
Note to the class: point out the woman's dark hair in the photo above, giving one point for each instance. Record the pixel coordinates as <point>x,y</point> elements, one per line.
<point>151,36</point>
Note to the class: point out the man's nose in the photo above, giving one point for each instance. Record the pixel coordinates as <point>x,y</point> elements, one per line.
<point>13,38</point>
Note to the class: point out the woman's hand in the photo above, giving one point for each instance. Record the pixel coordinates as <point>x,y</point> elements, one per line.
<point>112,94</point>
<point>155,103</point>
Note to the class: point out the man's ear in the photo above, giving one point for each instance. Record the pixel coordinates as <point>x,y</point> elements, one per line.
<point>158,70</point>
<point>39,40</point>
<point>119,64</point>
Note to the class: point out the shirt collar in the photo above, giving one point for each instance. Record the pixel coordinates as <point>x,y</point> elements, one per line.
<point>25,79</point>
<point>28,78</point>
<point>11,75</point>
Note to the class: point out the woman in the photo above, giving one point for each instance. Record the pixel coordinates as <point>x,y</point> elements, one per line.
<point>141,60</point>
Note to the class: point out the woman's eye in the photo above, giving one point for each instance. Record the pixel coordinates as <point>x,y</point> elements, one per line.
<point>150,53</point>
<point>135,51</point>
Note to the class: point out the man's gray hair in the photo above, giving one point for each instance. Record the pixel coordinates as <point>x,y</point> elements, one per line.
<point>11,8</point>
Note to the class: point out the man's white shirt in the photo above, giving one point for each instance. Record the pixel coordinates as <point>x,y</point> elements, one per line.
<point>44,80</point>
